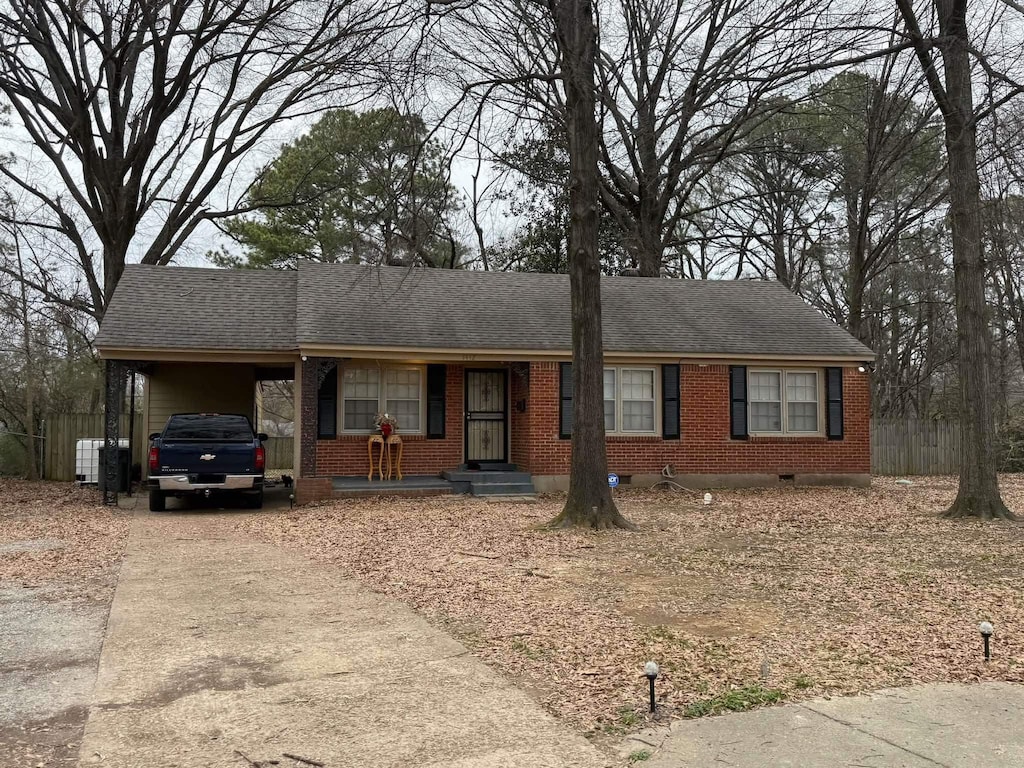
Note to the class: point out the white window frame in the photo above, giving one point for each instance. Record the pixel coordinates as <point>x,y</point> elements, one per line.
<point>382,397</point>
<point>786,431</point>
<point>655,379</point>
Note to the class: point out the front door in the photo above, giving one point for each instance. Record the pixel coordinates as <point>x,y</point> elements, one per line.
<point>486,416</point>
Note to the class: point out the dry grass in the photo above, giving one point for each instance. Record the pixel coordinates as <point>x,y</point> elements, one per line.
<point>798,591</point>
<point>59,534</point>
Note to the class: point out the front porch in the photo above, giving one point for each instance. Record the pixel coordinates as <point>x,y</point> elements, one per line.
<point>463,427</point>
<point>410,485</point>
<point>503,481</point>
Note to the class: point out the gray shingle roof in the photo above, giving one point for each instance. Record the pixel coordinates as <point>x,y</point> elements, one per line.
<point>367,306</point>
<point>193,308</point>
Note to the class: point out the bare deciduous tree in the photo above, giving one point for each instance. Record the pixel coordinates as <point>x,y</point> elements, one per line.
<point>138,111</point>
<point>590,501</point>
<point>942,26</point>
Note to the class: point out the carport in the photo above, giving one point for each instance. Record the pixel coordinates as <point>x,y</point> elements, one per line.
<point>238,330</point>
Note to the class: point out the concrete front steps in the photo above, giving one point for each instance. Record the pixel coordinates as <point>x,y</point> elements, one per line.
<point>498,480</point>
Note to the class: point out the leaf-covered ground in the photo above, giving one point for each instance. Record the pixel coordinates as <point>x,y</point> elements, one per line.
<point>787,592</point>
<point>58,534</point>
<point>60,552</point>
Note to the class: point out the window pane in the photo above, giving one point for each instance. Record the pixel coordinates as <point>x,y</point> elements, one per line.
<point>637,416</point>
<point>402,384</point>
<point>801,387</point>
<point>609,415</point>
<point>359,414</point>
<point>402,390</point>
<point>609,383</point>
<point>360,390</point>
<point>765,417</point>
<point>361,383</point>
<point>637,385</point>
<point>803,417</point>
<point>407,412</point>
<point>765,387</point>
<point>609,399</point>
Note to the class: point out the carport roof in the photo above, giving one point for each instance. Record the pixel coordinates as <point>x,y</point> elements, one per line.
<point>356,307</point>
<point>184,308</point>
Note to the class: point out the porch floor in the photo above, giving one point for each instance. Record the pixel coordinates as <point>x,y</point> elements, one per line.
<point>409,485</point>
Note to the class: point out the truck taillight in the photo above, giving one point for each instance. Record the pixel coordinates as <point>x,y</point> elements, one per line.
<point>154,459</point>
<point>261,457</point>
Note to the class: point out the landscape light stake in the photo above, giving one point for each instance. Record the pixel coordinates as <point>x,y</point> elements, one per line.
<point>651,672</point>
<point>986,633</point>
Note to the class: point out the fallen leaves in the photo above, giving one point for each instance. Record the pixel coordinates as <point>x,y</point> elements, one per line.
<point>59,534</point>
<point>803,591</point>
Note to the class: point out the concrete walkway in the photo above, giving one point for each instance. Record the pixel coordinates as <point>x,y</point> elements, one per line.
<point>926,726</point>
<point>222,651</point>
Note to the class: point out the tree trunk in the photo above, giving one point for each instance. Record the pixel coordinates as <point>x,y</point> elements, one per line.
<point>590,500</point>
<point>31,465</point>
<point>856,277</point>
<point>649,246</point>
<point>978,495</point>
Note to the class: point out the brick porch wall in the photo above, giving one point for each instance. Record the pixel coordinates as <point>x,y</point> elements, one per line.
<point>519,421</point>
<point>346,454</point>
<point>705,447</point>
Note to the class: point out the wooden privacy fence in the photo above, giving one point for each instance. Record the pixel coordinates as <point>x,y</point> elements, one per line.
<point>62,431</point>
<point>915,447</point>
<point>280,452</point>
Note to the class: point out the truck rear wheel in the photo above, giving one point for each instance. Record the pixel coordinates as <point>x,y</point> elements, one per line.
<point>157,501</point>
<point>254,500</point>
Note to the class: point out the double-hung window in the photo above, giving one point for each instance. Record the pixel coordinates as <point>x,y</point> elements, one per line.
<point>784,402</point>
<point>395,390</point>
<point>630,400</point>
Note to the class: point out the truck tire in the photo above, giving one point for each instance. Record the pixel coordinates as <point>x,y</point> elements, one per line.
<point>254,500</point>
<point>157,501</point>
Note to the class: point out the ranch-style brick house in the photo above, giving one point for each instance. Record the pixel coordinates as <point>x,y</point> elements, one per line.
<point>717,383</point>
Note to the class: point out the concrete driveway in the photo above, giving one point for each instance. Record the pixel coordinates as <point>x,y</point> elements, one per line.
<point>226,652</point>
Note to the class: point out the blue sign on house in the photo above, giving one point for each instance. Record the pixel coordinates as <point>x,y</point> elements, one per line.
<point>613,480</point>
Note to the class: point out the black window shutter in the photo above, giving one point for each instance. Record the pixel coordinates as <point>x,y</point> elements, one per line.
<point>670,402</point>
<point>834,402</point>
<point>436,381</point>
<point>327,407</point>
<point>738,402</point>
<point>564,401</point>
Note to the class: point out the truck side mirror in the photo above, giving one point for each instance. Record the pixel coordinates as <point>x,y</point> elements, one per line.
<point>154,436</point>
<point>263,437</point>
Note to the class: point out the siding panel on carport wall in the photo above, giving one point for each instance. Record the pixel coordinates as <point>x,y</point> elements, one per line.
<point>198,387</point>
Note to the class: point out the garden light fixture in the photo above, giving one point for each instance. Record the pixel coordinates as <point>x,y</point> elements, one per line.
<point>651,672</point>
<point>986,633</point>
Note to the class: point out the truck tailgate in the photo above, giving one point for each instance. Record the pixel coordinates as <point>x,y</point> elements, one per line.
<point>207,458</point>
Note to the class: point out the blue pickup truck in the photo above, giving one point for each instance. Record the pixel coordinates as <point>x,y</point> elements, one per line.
<point>203,454</point>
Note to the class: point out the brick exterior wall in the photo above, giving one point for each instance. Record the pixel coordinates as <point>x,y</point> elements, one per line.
<point>346,454</point>
<point>309,489</point>
<point>705,447</point>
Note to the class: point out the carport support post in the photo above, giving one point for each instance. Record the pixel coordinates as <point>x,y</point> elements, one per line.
<point>308,406</point>
<point>114,395</point>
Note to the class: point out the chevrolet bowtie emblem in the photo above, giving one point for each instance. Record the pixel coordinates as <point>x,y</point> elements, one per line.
<point>208,457</point>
